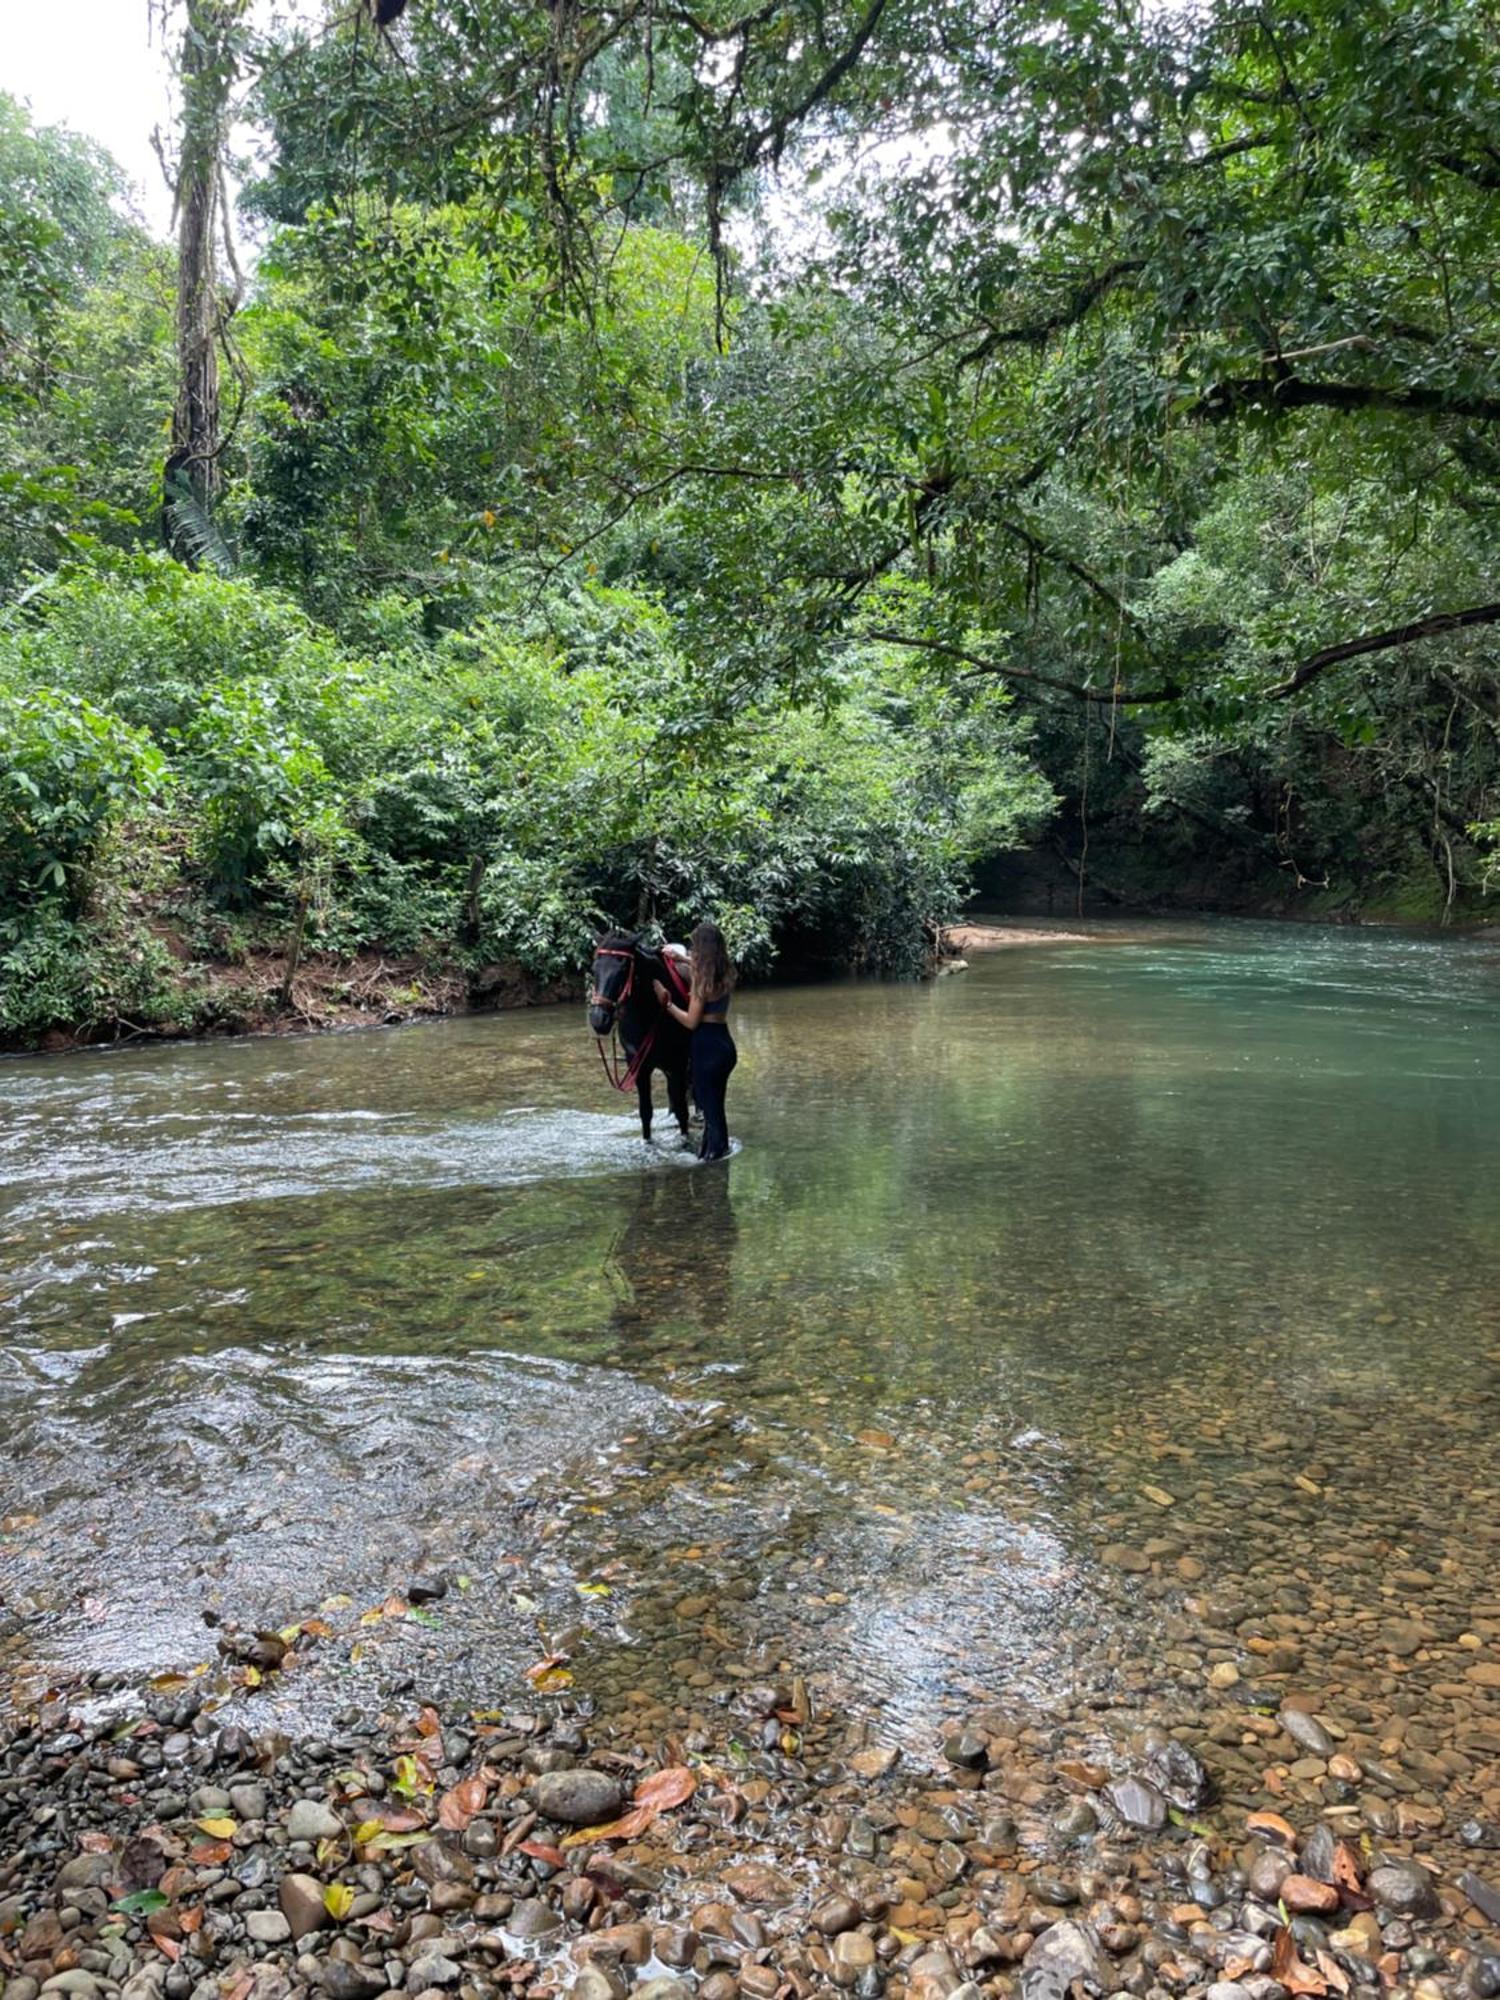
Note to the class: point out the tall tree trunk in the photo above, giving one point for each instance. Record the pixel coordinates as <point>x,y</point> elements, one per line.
<point>207,76</point>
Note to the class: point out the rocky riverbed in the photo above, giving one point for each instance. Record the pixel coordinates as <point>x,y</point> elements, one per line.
<point>757,1845</point>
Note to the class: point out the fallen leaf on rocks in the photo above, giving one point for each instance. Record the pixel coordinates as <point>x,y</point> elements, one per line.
<point>394,1843</point>
<point>653,1795</point>
<point>1289,1971</point>
<point>1332,1971</point>
<point>1091,1776</point>
<point>429,1723</point>
<point>629,1826</point>
<point>665,1789</point>
<point>458,1807</point>
<point>217,1827</point>
<point>550,1676</point>
<point>1346,1871</point>
<point>338,1900</point>
<point>190,1920</point>
<point>413,1775</point>
<point>210,1853</point>
<point>142,1903</point>
<point>540,1851</point>
<point>317,1628</point>
<point>1269,1822</point>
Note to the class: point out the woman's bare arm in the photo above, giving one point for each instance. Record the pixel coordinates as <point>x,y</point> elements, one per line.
<point>690,1015</point>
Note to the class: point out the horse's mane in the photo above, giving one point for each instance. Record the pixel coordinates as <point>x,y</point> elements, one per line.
<point>626,941</point>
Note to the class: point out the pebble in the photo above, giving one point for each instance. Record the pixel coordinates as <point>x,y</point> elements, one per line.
<point>1403,1888</point>
<point>758,1882</point>
<point>577,1798</point>
<point>1064,1952</point>
<point>301,1898</point>
<point>267,1927</point>
<point>312,1820</point>
<point>1138,1803</point>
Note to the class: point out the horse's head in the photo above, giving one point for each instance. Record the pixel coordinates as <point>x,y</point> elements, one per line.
<point>614,977</point>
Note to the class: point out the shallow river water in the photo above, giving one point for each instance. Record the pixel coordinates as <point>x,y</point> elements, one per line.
<point>1054,1327</point>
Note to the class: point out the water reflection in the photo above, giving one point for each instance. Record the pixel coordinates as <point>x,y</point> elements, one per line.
<point>1210,1214</point>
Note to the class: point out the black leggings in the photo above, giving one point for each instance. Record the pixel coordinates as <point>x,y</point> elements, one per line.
<point>714,1056</point>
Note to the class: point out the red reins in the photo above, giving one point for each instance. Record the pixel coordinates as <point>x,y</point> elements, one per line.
<point>625,1078</point>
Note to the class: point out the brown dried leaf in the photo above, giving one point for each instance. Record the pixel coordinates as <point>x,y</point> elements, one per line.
<point>1346,1870</point>
<point>630,1826</point>
<point>540,1851</point>
<point>458,1807</point>
<point>665,1789</point>
<point>1287,1968</point>
<point>1332,1971</point>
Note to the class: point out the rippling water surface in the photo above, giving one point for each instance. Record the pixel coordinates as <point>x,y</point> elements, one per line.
<point>1209,1210</point>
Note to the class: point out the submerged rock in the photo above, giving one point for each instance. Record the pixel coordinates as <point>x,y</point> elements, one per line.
<point>1064,1952</point>
<point>1138,1803</point>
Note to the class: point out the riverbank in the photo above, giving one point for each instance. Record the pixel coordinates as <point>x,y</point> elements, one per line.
<point>763,1846</point>
<point>263,992</point>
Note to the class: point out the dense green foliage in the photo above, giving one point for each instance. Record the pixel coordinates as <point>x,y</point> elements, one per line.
<point>771,462</point>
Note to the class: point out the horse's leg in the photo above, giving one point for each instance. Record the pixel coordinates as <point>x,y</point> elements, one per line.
<point>643,1097</point>
<point>677,1097</point>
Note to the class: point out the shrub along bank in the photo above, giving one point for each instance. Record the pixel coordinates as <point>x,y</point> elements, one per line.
<point>211,809</point>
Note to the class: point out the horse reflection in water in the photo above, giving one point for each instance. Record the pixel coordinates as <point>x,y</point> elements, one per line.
<point>673,1261</point>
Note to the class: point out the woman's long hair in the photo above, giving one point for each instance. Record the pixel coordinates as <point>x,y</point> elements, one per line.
<point>711,970</point>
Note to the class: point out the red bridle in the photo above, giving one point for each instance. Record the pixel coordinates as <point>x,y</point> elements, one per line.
<point>625,1077</point>
<point>621,1077</point>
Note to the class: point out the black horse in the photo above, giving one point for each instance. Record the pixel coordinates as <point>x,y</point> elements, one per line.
<point>624,999</point>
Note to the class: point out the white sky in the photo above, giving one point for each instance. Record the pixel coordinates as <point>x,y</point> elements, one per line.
<point>91,65</point>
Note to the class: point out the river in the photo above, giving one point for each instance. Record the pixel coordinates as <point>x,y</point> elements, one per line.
<point>1049,1321</point>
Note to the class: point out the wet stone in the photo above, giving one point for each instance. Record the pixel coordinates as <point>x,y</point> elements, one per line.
<point>1307,1731</point>
<point>758,1883</point>
<point>532,1919</point>
<point>1065,1952</point>
<point>966,1748</point>
<point>1404,1889</point>
<point>345,1980</point>
<point>577,1798</point>
<point>835,1914</point>
<point>598,1982</point>
<point>1138,1803</point>
<point>1306,1896</point>
<point>1267,1872</point>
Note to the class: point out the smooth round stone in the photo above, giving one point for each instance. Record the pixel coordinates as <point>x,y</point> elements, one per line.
<point>532,1919</point>
<point>1076,1821</point>
<point>313,1820</point>
<point>577,1798</point>
<point>835,1914</point>
<point>1403,1888</point>
<point>267,1927</point>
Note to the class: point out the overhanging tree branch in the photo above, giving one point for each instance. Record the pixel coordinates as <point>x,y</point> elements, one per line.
<point>1291,392</point>
<point>1108,696</point>
<point>1384,642</point>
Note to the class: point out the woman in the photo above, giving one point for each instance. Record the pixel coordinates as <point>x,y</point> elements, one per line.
<point>712,1048</point>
